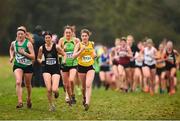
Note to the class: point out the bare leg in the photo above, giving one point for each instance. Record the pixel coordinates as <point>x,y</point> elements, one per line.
<point>47,80</point>
<point>72,75</point>
<point>82,77</point>
<point>19,75</point>
<point>65,77</point>
<point>28,77</point>
<point>55,83</point>
<point>89,79</point>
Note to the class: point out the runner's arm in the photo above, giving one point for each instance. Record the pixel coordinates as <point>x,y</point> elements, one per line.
<point>77,50</point>
<point>177,58</point>
<point>129,54</point>
<point>111,55</point>
<point>60,43</point>
<point>61,52</point>
<point>11,52</point>
<point>176,52</point>
<point>77,40</point>
<point>155,51</point>
<point>94,54</point>
<point>39,57</point>
<point>31,54</point>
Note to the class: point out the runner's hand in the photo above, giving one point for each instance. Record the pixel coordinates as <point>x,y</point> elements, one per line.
<point>63,61</point>
<point>11,59</point>
<point>21,51</point>
<point>39,61</point>
<point>83,47</point>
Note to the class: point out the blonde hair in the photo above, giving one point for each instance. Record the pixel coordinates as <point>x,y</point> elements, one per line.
<point>170,43</point>
<point>130,36</point>
<point>149,41</point>
<point>117,39</point>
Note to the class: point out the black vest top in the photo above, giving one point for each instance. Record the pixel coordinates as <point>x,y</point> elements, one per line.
<point>51,56</point>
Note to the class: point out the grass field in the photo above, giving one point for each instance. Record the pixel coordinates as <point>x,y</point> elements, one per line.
<point>104,104</point>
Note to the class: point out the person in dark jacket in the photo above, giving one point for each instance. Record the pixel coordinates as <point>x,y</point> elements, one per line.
<point>38,40</point>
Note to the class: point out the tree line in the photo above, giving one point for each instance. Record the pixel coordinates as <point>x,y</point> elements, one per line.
<point>107,19</point>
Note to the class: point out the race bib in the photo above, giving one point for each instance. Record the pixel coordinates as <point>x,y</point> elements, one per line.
<point>122,54</point>
<point>138,62</point>
<point>86,58</point>
<point>148,59</point>
<point>69,54</point>
<point>51,61</point>
<point>22,59</point>
<point>170,58</point>
<point>161,63</point>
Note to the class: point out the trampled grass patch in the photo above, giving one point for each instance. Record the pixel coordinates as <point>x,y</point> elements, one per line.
<point>104,104</point>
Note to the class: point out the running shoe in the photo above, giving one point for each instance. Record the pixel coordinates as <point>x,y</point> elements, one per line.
<point>151,92</point>
<point>67,98</point>
<point>73,99</point>
<point>29,104</point>
<point>52,108</point>
<point>86,107</point>
<point>146,89</point>
<point>19,105</point>
<point>56,95</point>
<point>172,92</point>
<point>69,102</point>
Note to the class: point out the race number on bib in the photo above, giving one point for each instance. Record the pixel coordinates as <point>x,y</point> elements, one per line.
<point>170,58</point>
<point>138,62</point>
<point>122,54</point>
<point>21,60</point>
<point>51,61</point>
<point>86,58</point>
<point>69,54</point>
<point>148,58</point>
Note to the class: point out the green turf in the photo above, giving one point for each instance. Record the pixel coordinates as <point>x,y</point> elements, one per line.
<point>104,104</point>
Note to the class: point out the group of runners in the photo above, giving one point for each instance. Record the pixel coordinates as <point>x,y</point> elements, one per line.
<point>77,59</point>
<point>126,67</point>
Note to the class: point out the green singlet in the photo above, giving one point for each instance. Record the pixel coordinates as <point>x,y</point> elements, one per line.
<point>21,60</point>
<point>69,49</point>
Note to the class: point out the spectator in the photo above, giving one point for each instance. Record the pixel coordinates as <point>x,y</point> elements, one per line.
<point>37,80</point>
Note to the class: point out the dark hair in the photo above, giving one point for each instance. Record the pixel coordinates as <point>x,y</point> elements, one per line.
<point>86,31</point>
<point>47,33</point>
<point>38,30</point>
